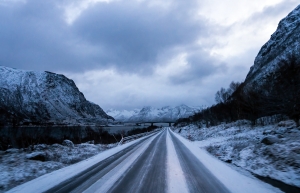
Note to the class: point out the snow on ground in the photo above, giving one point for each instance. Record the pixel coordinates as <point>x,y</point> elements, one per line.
<point>16,166</point>
<point>270,151</point>
<point>233,180</point>
<point>47,181</point>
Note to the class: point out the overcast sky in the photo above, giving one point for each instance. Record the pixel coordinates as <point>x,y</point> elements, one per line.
<point>127,54</point>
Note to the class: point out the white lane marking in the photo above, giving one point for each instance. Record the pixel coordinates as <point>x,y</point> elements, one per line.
<point>175,176</point>
<point>109,179</point>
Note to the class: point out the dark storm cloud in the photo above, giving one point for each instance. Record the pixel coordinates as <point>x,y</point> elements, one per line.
<point>134,34</point>
<point>34,36</point>
<point>129,36</point>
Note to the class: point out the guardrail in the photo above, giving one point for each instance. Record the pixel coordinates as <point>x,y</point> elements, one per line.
<point>132,137</point>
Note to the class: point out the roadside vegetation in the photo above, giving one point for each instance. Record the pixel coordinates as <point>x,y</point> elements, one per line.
<point>255,126</point>
<point>278,94</point>
<point>22,137</point>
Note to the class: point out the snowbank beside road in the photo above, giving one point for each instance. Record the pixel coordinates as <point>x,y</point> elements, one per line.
<point>233,180</point>
<point>270,151</point>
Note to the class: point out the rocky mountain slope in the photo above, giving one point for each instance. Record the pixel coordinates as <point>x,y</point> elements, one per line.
<point>148,113</point>
<point>284,41</point>
<point>44,97</point>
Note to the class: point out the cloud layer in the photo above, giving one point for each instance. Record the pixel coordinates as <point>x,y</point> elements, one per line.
<point>127,54</point>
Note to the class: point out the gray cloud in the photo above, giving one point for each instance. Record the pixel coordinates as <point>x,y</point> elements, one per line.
<point>271,12</point>
<point>34,36</point>
<point>134,35</point>
<point>129,36</point>
<point>201,66</point>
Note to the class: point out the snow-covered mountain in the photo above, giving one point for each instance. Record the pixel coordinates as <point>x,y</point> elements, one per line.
<point>122,115</point>
<point>148,113</point>
<point>43,97</point>
<point>284,41</point>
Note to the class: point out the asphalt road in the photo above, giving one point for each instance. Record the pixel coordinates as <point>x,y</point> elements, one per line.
<point>198,177</point>
<point>143,168</point>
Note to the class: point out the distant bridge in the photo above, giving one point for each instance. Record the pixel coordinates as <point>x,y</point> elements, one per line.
<point>138,123</point>
<point>153,122</point>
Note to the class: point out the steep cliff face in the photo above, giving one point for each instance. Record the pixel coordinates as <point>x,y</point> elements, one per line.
<point>285,41</point>
<point>43,97</point>
<point>148,113</point>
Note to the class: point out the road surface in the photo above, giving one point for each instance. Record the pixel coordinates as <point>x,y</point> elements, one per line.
<point>159,163</point>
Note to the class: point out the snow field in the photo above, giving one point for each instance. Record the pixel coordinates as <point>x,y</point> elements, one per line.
<point>47,181</point>
<point>240,144</point>
<point>233,180</point>
<point>17,167</point>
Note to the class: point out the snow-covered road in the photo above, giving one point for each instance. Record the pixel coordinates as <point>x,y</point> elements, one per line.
<point>164,162</point>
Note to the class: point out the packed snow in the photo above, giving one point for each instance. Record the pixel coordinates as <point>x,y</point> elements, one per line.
<point>269,151</point>
<point>176,179</point>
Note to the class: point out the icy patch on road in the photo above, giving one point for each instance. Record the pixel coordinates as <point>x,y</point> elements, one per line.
<point>176,179</point>
<point>232,179</point>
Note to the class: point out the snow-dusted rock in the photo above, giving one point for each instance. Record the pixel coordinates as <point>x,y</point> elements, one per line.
<point>56,145</point>
<point>44,97</point>
<point>12,150</point>
<point>268,132</point>
<point>68,143</point>
<point>40,156</point>
<point>285,40</point>
<point>40,147</point>
<point>287,124</point>
<point>270,140</point>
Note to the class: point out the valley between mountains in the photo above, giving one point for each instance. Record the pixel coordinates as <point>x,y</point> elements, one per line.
<point>52,139</point>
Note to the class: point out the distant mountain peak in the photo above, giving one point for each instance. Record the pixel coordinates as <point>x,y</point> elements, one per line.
<point>148,113</point>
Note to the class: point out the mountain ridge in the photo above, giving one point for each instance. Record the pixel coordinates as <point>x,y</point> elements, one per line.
<point>44,97</point>
<point>283,42</point>
<point>148,113</point>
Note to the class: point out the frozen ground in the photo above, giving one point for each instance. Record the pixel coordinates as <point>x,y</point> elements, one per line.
<point>225,174</point>
<point>270,151</point>
<point>17,166</point>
